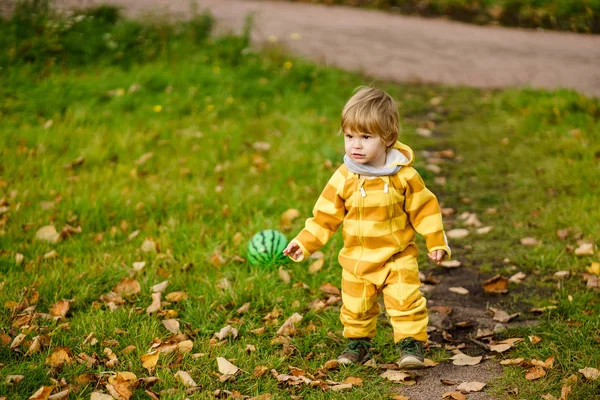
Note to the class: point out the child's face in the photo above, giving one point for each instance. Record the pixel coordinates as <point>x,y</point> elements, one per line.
<point>365,148</point>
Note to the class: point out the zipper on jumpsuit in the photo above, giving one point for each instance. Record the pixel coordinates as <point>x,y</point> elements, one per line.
<point>390,207</point>
<point>363,194</point>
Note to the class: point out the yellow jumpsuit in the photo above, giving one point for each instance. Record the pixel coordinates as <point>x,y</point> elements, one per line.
<point>380,216</point>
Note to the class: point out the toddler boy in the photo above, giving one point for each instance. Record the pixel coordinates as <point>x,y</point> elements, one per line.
<point>381,201</point>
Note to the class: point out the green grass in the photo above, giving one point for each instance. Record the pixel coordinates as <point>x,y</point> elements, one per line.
<point>577,16</point>
<point>199,109</point>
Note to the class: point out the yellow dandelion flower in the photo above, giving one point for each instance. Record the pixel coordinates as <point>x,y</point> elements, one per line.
<point>216,70</point>
<point>273,39</point>
<point>157,108</point>
<point>288,65</point>
<point>210,107</point>
<point>119,92</point>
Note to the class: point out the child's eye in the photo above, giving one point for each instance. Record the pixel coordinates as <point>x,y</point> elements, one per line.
<point>367,136</point>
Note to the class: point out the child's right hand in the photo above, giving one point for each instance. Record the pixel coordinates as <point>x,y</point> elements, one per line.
<point>293,250</point>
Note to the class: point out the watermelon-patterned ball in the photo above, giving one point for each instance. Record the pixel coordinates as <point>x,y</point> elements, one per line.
<point>266,247</point>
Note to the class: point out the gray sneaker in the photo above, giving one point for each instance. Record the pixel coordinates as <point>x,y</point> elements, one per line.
<point>411,354</point>
<point>356,352</point>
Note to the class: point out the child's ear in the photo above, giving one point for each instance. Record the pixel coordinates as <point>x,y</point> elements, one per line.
<point>390,142</point>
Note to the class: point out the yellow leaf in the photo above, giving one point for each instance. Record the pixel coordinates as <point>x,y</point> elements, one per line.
<point>47,233</point>
<point>60,308</point>
<point>149,360</point>
<point>59,357</point>
<point>594,268</point>
<point>535,373</point>
<point>127,287</point>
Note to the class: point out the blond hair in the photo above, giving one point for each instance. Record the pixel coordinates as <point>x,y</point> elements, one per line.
<point>371,110</point>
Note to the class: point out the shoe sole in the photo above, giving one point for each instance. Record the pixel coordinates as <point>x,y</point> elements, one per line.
<point>411,363</point>
<point>345,361</point>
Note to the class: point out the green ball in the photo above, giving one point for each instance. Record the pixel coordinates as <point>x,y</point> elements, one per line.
<point>266,247</point>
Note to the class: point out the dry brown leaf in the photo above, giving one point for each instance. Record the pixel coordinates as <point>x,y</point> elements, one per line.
<point>50,255</point>
<point>454,396</point>
<point>139,265</point>
<point>512,361</point>
<point>518,277</point>
<point>122,383</point>
<point>287,218</point>
<point>534,373</point>
<point>354,381</point>
<point>59,357</point>
<point>535,339</point>
<point>463,359</point>
<point>160,287</point>
<point>430,363</point>
<point>316,266</point>
<point>185,379</point>
<point>149,360</point>
<point>10,379</point>
<point>101,396</point>
<point>331,364</point>
<point>225,367</point>
<point>529,241</point>
<point>500,348</point>
<point>284,275</point>
<point>176,297</point>
<point>172,325</point>
<point>112,358</point>
<point>340,387</point>
<point>468,387</point>
<point>244,309</point>
<point>34,347</point>
<point>497,284</point>
<point>150,246</point>
<point>227,331</point>
<point>155,305</point>
<point>63,394</point>
<point>562,234</point>
<point>288,328</point>
<point>329,289</point>
<point>48,234</point>
<point>459,290</point>
<point>484,230</point>
<point>42,393</point>
<point>591,374</point>
<point>60,308</point>
<point>127,287</point>
<point>19,258</point>
<point>397,376</point>
<point>260,370</point>
<point>457,233</point>
<point>502,316</point>
<point>585,249</point>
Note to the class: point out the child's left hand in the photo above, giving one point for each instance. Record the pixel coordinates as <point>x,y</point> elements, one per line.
<point>437,255</point>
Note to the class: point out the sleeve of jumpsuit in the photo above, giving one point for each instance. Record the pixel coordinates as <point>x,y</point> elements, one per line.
<point>424,213</point>
<point>328,214</point>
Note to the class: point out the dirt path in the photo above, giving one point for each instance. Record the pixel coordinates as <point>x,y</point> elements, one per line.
<point>403,48</point>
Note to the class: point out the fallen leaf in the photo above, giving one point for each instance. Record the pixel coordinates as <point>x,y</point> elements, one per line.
<point>316,266</point>
<point>227,331</point>
<point>60,308</point>
<point>121,383</point>
<point>101,396</point>
<point>225,367</point>
<point>518,277</point>
<point>500,348</point>
<point>593,282</point>
<point>589,373</point>
<point>529,241</point>
<point>139,265</point>
<point>50,255</point>
<point>562,274</point>
<point>468,387</point>
<point>397,376</point>
<point>160,287</point>
<point>112,358</point>
<point>176,297</point>
<point>485,230</point>
<point>450,264</point>
<point>457,233</point>
<point>261,146</point>
<point>459,290</point>
<point>562,233</point>
<point>454,396</point>
<point>42,393</point>
<point>463,359</point>
<point>594,268</point>
<point>10,379</point>
<point>497,284</point>
<point>340,387</point>
<point>127,287</point>
<point>331,364</point>
<point>329,289</point>
<point>284,275</point>
<point>423,132</point>
<point>354,381</point>
<point>586,249</point>
<point>19,258</point>
<point>48,233</point>
<point>172,325</point>
<point>430,363</point>
<point>185,379</point>
<point>34,347</point>
<point>502,316</point>
<point>149,360</point>
<point>286,219</point>
<point>244,309</point>
<point>535,373</point>
<point>288,328</point>
<point>59,357</point>
<point>535,339</point>
<point>260,370</point>
<point>155,305</point>
<point>149,246</point>
<point>512,361</point>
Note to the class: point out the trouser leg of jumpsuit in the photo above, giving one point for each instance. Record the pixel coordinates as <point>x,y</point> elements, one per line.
<point>404,302</point>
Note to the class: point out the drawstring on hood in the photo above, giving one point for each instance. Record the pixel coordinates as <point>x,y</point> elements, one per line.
<point>397,157</point>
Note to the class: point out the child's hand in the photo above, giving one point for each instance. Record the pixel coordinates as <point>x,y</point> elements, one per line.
<point>437,255</point>
<point>293,250</point>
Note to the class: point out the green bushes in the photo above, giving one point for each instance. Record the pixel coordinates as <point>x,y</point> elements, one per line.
<point>569,15</point>
<point>35,35</point>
